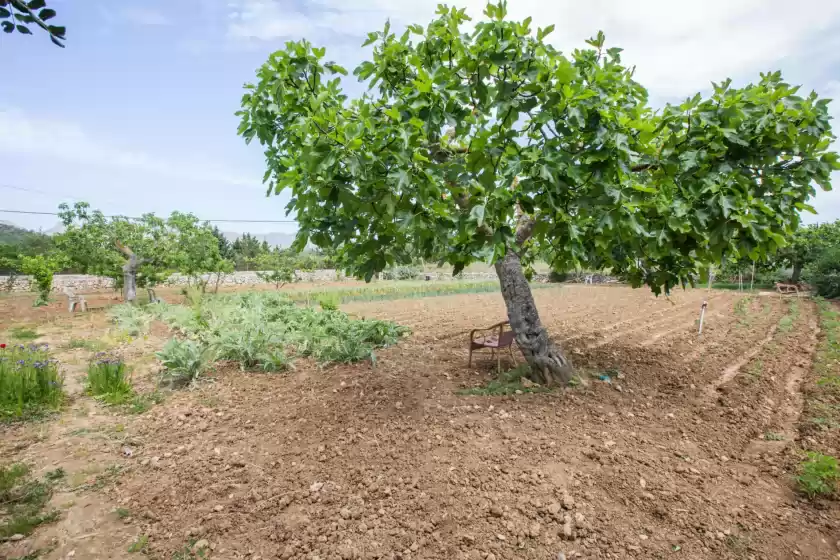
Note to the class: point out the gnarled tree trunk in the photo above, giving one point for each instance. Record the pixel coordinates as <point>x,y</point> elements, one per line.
<point>797,272</point>
<point>130,279</point>
<point>130,273</point>
<point>549,366</point>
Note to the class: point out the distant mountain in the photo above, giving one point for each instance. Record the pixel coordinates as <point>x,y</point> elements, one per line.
<point>10,233</point>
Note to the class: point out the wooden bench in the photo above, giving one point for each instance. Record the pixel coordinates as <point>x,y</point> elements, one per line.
<point>74,300</point>
<point>787,288</point>
<point>495,341</point>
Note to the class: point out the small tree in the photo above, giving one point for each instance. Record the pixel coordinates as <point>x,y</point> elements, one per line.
<point>194,248</point>
<point>138,253</point>
<point>276,267</point>
<point>492,141</point>
<point>806,245</point>
<point>42,268</point>
<point>132,252</point>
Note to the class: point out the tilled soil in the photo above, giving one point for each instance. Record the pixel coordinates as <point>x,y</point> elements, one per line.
<point>672,457</point>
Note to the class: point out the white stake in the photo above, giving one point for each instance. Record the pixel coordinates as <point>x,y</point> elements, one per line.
<point>702,315</point>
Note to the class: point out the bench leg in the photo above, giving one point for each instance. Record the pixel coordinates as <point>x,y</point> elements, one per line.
<point>512,357</point>
<point>469,363</point>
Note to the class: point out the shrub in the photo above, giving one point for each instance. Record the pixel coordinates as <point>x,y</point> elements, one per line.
<point>818,475</point>
<point>328,302</point>
<point>401,273</point>
<point>555,276</point>
<point>824,273</point>
<point>250,344</point>
<point>29,380</point>
<point>108,379</point>
<point>132,319</point>
<point>41,268</point>
<point>185,360</point>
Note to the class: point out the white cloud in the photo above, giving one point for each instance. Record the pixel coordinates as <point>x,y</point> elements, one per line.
<point>678,47</point>
<point>25,135</point>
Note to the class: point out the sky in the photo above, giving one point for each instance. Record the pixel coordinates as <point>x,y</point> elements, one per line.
<point>136,114</point>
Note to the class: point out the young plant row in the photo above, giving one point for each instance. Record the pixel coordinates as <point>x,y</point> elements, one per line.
<point>257,330</point>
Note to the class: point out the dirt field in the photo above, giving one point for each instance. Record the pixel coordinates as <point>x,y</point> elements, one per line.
<point>687,452</point>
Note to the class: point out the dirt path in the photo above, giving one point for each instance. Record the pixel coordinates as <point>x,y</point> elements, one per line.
<point>91,444</point>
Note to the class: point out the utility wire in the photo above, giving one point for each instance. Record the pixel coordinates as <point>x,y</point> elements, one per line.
<point>232,221</point>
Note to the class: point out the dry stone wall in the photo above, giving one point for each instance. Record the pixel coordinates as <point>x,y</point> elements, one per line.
<point>83,283</point>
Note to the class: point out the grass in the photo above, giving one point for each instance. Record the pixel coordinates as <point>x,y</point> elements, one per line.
<point>83,343</point>
<point>30,382</point>
<point>507,383</point>
<point>108,379</point>
<point>823,404</point>
<point>756,369</point>
<point>22,501</point>
<point>398,290</point>
<point>745,286</point>
<point>122,513</point>
<point>771,436</point>
<point>818,475</point>
<point>139,545</point>
<point>143,402</point>
<point>23,333</point>
<point>786,322</point>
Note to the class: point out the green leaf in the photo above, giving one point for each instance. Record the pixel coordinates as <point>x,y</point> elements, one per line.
<point>23,29</point>
<point>36,4</point>
<point>46,14</point>
<point>8,27</point>
<point>477,213</point>
<point>543,33</point>
<point>4,13</point>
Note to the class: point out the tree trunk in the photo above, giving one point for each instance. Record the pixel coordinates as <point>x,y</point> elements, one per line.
<point>130,279</point>
<point>797,272</point>
<point>548,364</point>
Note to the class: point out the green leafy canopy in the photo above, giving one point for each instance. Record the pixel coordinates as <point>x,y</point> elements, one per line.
<point>18,15</point>
<point>470,143</point>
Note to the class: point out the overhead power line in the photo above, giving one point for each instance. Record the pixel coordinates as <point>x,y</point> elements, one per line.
<point>232,221</point>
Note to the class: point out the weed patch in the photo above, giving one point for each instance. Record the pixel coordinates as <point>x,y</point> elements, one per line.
<point>23,333</point>
<point>22,501</point>
<point>511,382</point>
<point>83,343</point>
<point>818,475</point>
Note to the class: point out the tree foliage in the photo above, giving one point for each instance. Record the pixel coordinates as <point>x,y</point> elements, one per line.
<point>18,15</point>
<point>481,141</point>
<point>96,245</point>
<point>806,245</point>
<point>42,268</point>
<point>277,267</point>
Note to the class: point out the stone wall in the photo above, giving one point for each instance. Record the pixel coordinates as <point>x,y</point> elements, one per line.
<point>83,283</point>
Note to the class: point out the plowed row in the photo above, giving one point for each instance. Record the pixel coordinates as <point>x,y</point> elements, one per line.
<point>688,450</point>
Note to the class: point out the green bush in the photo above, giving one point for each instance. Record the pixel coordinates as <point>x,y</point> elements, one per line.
<point>41,268</point>
<point>185,360</point>
<point>132,319</point>
<point>108,379</point>
<point>555,276</point>
<point>824,273</point>
<point>263,329</point>
<point>401,273</point>
<point>328,302</point>
<point>29,380</point>
<point>818,475</point>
